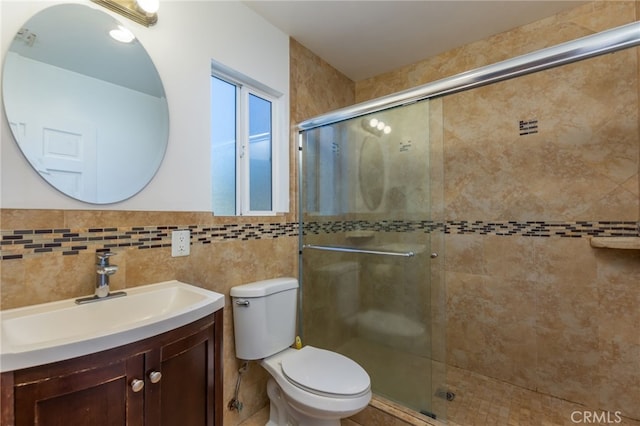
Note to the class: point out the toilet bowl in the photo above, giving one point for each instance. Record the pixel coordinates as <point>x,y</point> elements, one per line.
<point>308,386</point>
<point>318,386</point>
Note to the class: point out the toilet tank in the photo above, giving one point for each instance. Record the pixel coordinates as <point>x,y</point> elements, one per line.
<point>264,317</point>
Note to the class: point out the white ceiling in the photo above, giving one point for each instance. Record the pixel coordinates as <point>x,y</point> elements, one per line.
<point>75,37</point>
<point>364,38</point>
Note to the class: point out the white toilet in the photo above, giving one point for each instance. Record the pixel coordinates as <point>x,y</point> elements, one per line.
<point>308,387</point>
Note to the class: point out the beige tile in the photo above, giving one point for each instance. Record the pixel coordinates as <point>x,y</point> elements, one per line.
<point>55,277</point>
<point>14,293</point>
<point>565,262</point>
<point>31,219</point>
<point>491,327</point>
<point>618,295</point>
<point>464,253</point>
<point>619,377</point>
<point>510,258</point>
<point>568,363</point>
<point>318,87</point>
<point>619,319</point>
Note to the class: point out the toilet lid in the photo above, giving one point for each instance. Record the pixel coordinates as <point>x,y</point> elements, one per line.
<point>319,370</point>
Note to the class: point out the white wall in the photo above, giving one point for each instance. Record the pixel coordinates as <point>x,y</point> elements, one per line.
<point>37,98</point>
<point>187,36</point>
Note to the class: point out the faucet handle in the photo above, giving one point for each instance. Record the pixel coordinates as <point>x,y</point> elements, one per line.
<point>103,258</point>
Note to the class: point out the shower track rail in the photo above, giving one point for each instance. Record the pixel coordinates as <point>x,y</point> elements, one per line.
<point>357,250</point>
<point>608,41</point>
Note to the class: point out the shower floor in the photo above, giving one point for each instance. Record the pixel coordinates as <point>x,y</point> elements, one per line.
<point>479,400</point>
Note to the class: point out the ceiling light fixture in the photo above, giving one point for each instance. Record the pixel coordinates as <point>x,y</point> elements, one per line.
<point>376,127</point>
<point>143,12</point>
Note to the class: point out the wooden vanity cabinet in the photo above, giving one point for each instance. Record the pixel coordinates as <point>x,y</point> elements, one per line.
<point>121,386</point>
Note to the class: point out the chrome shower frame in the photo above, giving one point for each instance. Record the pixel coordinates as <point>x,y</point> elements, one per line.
<point>604,42</point>
<point>601,43</point>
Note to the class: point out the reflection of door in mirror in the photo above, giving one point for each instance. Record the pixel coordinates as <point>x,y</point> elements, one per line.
<point>68,157</point>
<point>61,150</point>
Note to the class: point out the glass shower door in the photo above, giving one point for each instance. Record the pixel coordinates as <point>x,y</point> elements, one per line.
<point>368,263</point>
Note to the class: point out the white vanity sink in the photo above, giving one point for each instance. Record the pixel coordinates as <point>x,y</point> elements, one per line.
<point>40,334</point>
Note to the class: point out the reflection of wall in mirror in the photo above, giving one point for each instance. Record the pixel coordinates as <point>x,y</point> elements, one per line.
<point>118,111</point>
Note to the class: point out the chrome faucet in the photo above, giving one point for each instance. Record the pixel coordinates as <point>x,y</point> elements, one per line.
<point>103,271</point>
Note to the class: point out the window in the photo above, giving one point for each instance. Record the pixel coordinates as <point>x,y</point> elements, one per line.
<point>249,150</point>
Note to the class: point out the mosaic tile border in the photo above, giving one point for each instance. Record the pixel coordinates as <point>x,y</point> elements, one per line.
<point>331,227</point>
<point>578,229</point>
<point>24,243</point>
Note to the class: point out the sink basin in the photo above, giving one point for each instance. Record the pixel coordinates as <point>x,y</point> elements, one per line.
<point>49,332</point>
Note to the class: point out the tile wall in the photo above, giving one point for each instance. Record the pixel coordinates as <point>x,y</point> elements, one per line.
<point>316,87</point>
<point>542,310</point>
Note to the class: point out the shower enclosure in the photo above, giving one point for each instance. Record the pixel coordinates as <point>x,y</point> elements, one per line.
<point>372,249</point>
<point>535,167</point>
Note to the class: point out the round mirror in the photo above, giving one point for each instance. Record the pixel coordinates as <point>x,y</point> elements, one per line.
<point>89,112</point>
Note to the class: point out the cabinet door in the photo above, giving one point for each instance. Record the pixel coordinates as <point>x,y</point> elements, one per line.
<point>185,394</point>
<point>89,397</point>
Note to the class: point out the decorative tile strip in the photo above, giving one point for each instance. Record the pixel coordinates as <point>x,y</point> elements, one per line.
<point>577,229</point>
<point>377,226</point>
<point>24,243</point>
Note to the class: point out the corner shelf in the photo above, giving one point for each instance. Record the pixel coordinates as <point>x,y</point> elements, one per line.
<point>624,243</point>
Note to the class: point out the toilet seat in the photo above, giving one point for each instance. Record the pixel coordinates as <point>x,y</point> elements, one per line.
<point>325,373</point>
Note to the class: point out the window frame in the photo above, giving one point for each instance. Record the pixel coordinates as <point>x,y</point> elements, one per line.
<point>246,86</point>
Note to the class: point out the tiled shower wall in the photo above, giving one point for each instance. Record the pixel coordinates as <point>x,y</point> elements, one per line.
<point>544,311</point>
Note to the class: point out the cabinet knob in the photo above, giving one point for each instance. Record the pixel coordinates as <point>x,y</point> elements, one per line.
<point>155,376</point>
<point>137,385</point>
